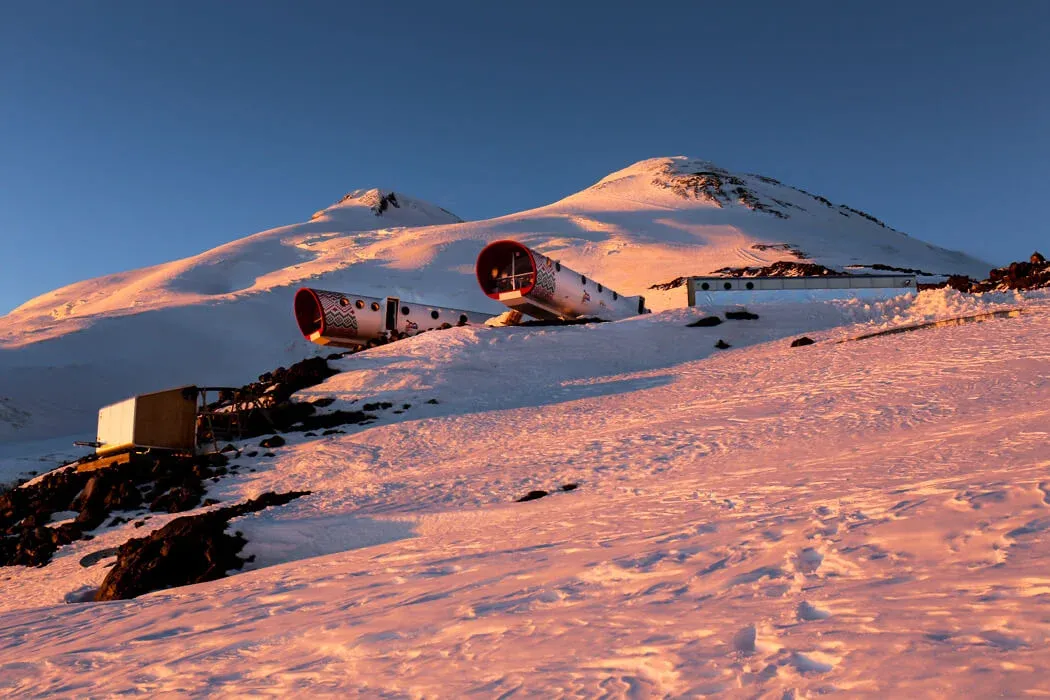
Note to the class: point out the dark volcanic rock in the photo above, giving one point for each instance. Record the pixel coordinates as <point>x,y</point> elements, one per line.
<point>175,480</point>
<point>741,316</point>
<point>960,283</point>
<point>560,321</point>
<point>96,557</point>
<point>282,383</point>
<point>705,322</point>
<point>781,268</point>
<point>804,340</point>
<point>891,268</point>
<point>190,549</point>
<point>673,284</point>
<point>569,487</point>
<point>336,418</point>
<point>722,345</point>
<point>532,496</point>
<point>1018,276</point>
<point>177,500</point>
<point>272,441</point>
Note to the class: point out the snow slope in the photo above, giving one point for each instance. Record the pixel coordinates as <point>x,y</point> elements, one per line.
<point>223,317</point>
<point>864,517</point>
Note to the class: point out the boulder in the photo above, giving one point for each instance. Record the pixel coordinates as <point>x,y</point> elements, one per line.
<point>705,322</point>
<point>190,549</point>
<point>177,500</point>
<point>804,340</point>
<point>722,345</point>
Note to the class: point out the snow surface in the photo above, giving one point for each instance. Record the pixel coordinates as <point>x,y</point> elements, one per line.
<point>869,517</point>
<point>224,316</point>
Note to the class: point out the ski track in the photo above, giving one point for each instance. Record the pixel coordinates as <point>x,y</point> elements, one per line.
<point>870,519</point>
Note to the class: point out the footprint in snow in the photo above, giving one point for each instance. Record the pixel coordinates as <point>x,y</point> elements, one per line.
<point>809,560</point>
<point>807,612</point>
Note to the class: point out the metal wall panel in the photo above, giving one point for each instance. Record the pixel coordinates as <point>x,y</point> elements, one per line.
<point>116,426</point>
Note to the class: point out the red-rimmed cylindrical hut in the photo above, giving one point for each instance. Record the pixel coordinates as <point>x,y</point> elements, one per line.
<point>350,320</point>
<point>527,281</point>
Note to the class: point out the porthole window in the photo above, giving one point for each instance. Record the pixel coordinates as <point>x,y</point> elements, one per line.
<point>405,311</point>
<point>375,306</point>
<point>344,302</point>
<point>727,285</point>
<point>359,304</point>
<point>750,285</point>
<point>434,314</point>
<point>557,266</point>
<point>705,285</point>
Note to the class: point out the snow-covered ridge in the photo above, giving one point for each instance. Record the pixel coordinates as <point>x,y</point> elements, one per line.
<point>223,316</point>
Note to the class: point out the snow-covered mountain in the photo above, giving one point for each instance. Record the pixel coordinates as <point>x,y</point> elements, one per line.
<point>661,507</point>
<point>223,316</point>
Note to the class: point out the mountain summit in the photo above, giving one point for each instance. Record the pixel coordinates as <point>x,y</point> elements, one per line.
<point>223,316</point>
<point>394,208</point>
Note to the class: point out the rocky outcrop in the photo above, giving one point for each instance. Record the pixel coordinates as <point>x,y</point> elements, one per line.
<point>190,549</point>
<point>169,483</point>
<point>705,322</point>
<point>781,268</point>
<point>1017,276</point>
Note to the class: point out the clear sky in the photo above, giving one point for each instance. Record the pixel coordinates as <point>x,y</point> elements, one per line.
<point>135,132</point>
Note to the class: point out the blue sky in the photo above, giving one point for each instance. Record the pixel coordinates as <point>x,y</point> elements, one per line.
<point>138,132</point>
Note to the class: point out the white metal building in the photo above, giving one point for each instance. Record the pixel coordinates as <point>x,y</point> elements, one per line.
<point>727,290</point>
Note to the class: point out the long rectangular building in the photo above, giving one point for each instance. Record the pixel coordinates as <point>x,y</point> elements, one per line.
<point>716,286</point>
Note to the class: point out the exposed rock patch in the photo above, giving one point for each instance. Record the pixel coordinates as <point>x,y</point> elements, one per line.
<point>190,549</point>
<point>1017,276</point>
<point>804,340</point>
<point>891,268</point>
<point>741,316</point>
<point>718,187</point>
<point>673,284</point>
<point>325,421</point>
<point>559,321</point>
<point>170,483</point>
<point>705,322</point>
<point>786,247</point>
<point>781,268</point>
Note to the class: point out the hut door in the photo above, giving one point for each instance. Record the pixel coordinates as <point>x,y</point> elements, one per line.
<point>392,306</point>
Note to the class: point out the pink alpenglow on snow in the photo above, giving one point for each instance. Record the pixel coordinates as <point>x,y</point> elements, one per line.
<point>615,509</point>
